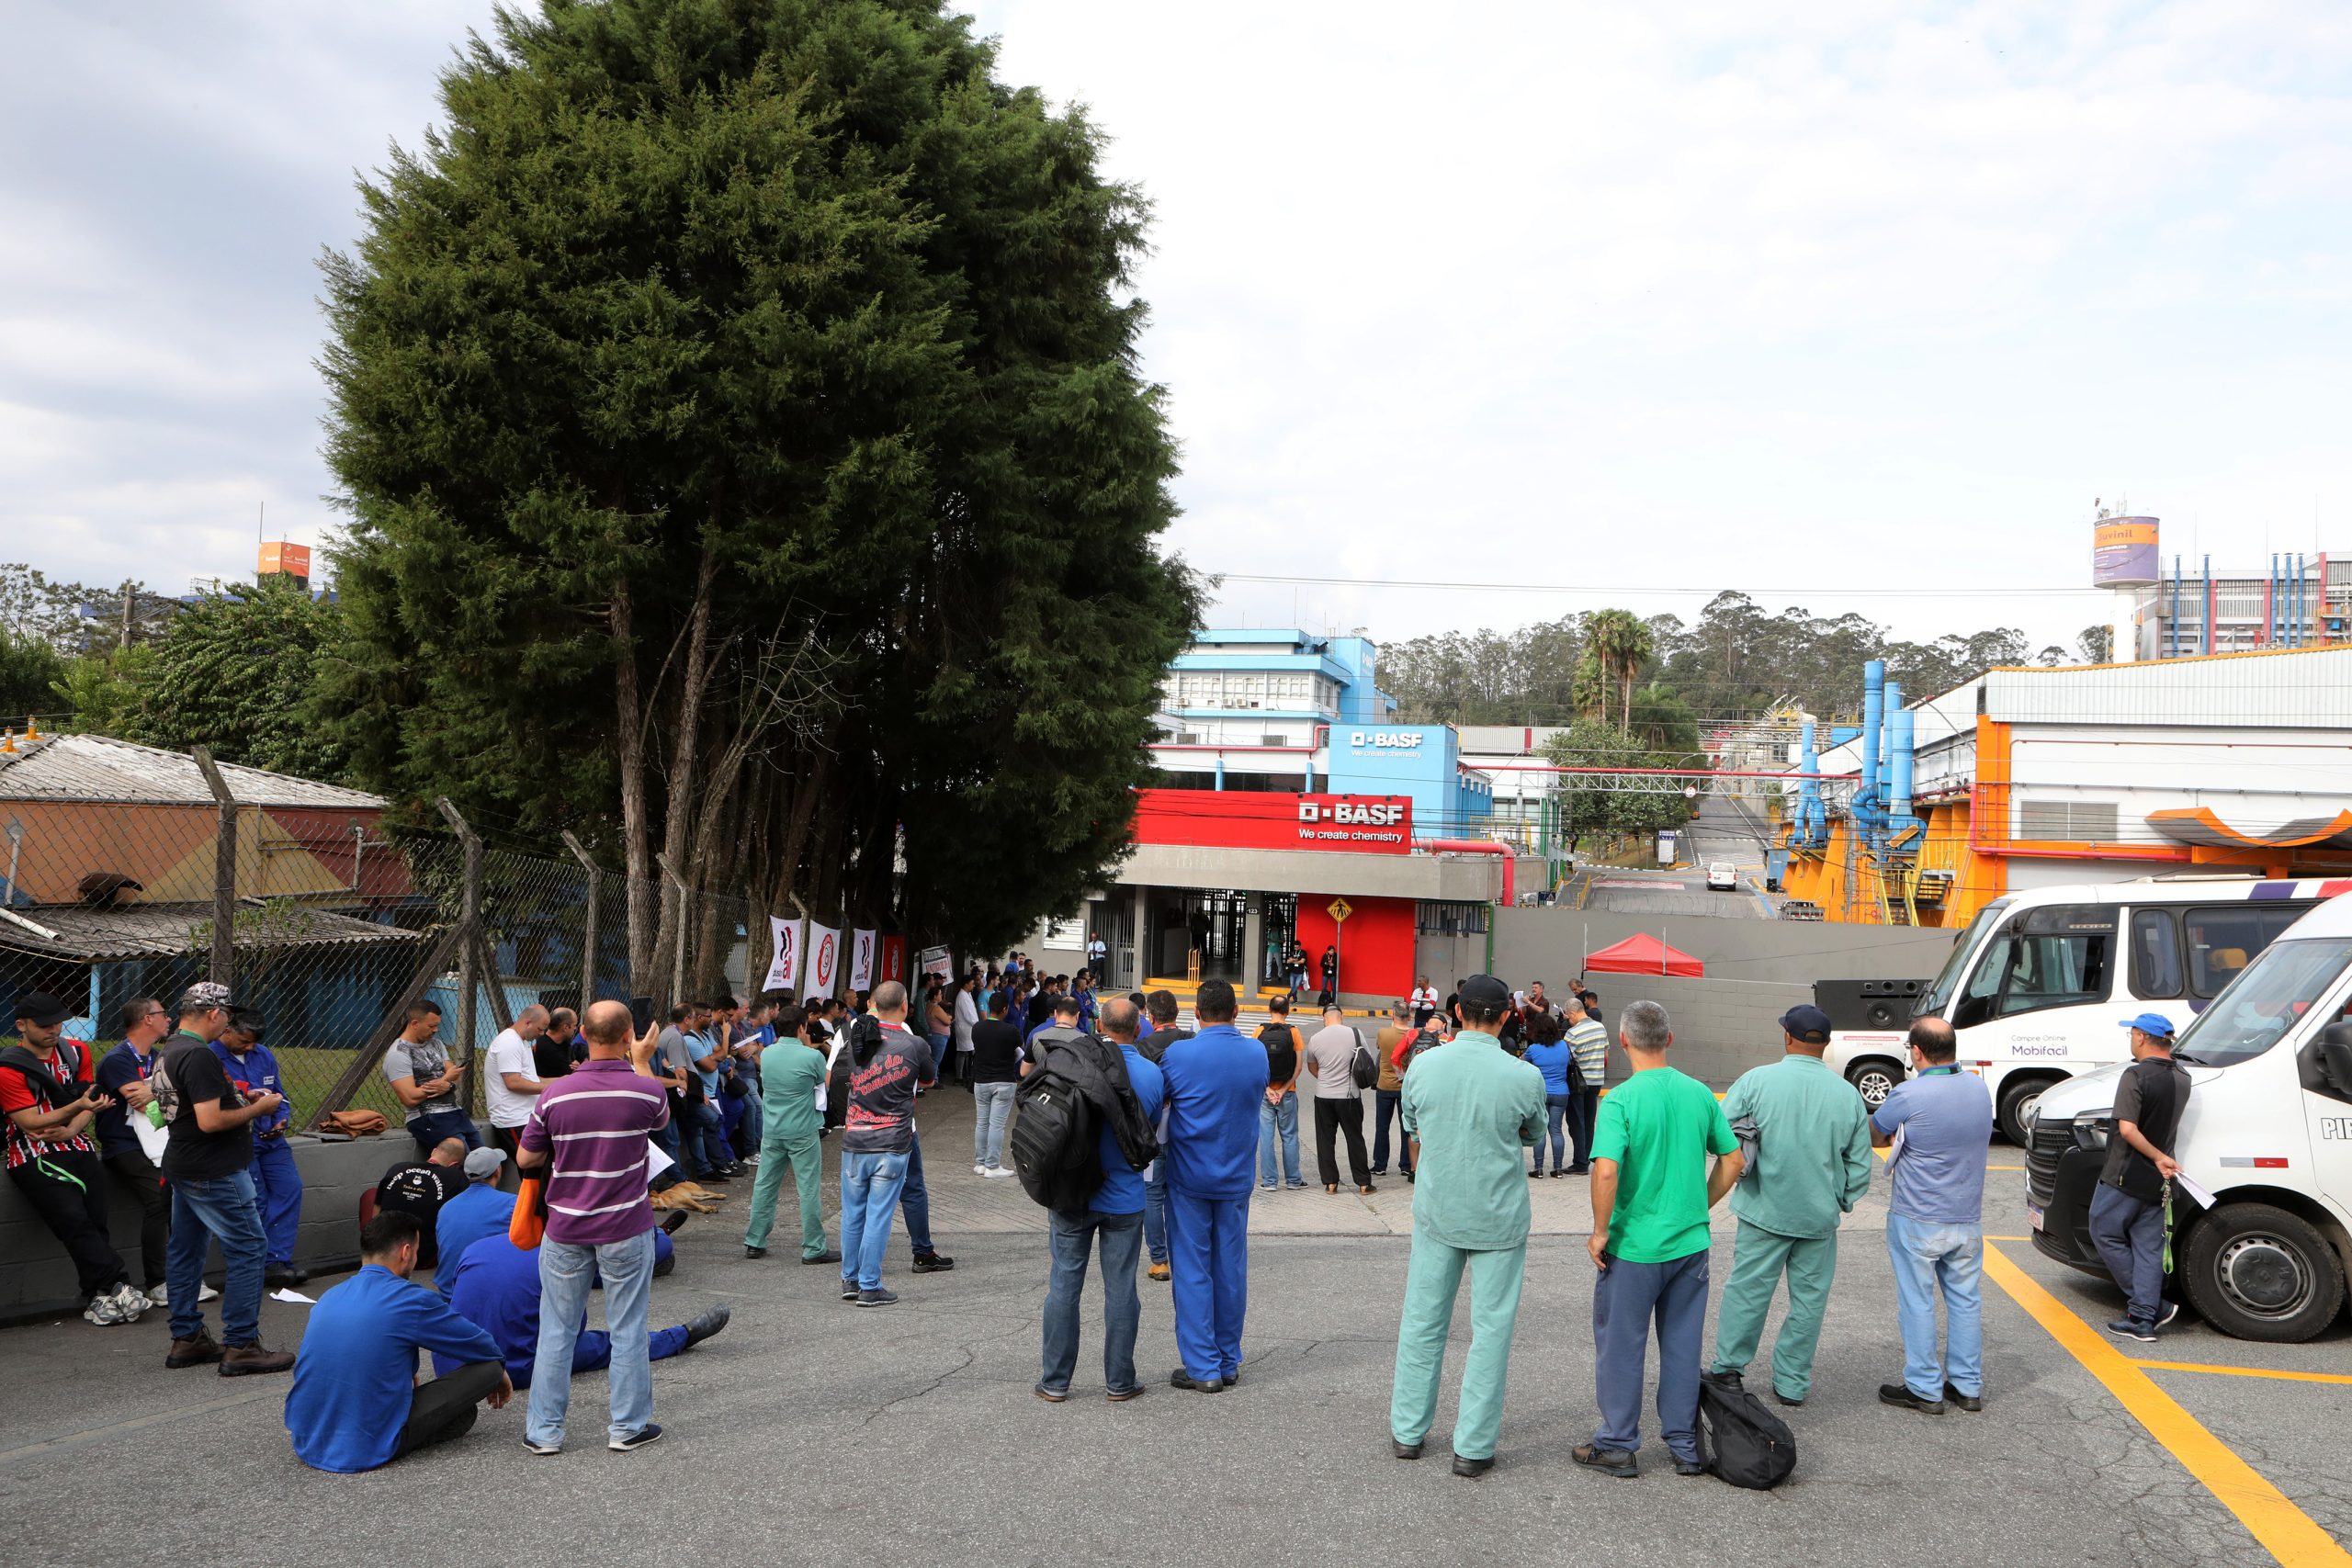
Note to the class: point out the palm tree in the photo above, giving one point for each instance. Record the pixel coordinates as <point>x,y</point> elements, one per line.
<point>1620,644</point>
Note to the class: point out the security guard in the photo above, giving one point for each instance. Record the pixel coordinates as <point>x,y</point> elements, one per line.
<point>1476,1110</point>
<point>278,1183</point>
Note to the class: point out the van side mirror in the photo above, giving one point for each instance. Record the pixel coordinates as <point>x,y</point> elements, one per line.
<point>2335,1053</point>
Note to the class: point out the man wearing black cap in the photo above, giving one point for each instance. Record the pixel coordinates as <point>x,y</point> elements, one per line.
<point>48,1101</point>
<point>1808,1137</point>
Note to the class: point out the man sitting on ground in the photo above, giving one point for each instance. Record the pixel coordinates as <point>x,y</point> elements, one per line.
<point>495,1284</point>
<point>419,1188</point>
<point>478,1211</point>
<point>354,1405</point>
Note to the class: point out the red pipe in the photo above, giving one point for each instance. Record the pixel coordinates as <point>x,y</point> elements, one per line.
<point>1482,847</point>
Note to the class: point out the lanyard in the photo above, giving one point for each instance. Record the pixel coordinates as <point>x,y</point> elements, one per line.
<point>1944,1067</point>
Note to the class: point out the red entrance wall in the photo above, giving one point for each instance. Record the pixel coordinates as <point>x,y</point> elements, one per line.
<point>1376,955</point>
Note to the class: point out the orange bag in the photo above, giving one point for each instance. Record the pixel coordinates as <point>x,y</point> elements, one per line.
<point>529,1225</point>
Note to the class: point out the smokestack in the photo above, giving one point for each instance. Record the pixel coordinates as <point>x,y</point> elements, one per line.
<point>1873,717</point>
<point>1900,803</point>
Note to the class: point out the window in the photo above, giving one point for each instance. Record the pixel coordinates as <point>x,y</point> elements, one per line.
<point>2281,986</point>
<point>2225,938</point>
<point>2070,821</point>
<point>2156,953</point>
<point>2053,957</point>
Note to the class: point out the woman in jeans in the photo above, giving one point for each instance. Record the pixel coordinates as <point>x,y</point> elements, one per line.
<point>1549,1055</point>
<point>997,1065</point>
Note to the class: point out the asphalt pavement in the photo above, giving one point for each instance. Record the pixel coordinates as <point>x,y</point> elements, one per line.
<point>812,1432</point>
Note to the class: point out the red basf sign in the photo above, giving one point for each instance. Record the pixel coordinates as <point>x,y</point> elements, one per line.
<point>1256,820</point>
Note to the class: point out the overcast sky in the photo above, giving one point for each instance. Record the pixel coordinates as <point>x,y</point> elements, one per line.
<point>1817,300</point>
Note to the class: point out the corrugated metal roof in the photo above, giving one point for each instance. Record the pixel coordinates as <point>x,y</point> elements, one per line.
<point>97,768</point>
<point>2287,689</point>
<point>157,931</point>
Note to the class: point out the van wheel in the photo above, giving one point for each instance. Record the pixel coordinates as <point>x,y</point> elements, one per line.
<point>1873,1079</point>
<point>2258,1272</point>
<point>2019,1099</point>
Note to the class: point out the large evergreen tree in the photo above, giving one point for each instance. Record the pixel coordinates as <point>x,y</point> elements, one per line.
<point>738,406</point>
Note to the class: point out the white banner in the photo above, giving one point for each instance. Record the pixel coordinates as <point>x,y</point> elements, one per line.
<point>784,969</point>
<point>824,959</point>
<point>935,961</point>
<point>861,961</point>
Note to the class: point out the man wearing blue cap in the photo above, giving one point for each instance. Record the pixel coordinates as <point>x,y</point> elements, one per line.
<point>1808,1137</point>
<point>2128,1206</point>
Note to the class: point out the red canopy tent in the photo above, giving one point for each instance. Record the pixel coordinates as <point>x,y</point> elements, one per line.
<point>1643,953</point>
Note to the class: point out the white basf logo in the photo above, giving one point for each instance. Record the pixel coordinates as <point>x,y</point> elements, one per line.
<point>1385,740</point>
<point>1344,812</point>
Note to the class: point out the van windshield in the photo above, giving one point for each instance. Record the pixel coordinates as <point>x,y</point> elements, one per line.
<point>2266,1000</point>
<point>1938,994</point>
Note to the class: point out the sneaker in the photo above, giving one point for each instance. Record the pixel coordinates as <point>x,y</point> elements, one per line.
<point>709,1321</point>
<point>2171,1311</point>
<point>132,1300</point>
<point>1618,1463</point>
<point>877,1298</point>
<point>979,1171</point>
<point>849,1290</point>
<point>105,1309</point>
<point>2125,1328</point>
<point>244,1361</point>
<point>193,1352</point>
<point>675,1221</point>
<point>159,1295</point>
<point>933,1263</point>
<point>649,1433</point>
<point>544,1450</point>
<point>1689,1467</point>
<point>206,1293</point>
<point>1902,1398</point>
<point>1000,1172</point>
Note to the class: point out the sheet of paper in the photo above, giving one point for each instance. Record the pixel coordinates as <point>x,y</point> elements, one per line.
<point>656,1162</point>
<point>2204,1198</point>
<point>283,1294</point>
<point>1894,1149</point>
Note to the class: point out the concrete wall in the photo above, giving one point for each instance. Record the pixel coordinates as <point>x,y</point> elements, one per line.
<point>37,1278</point>
<point>1550,945</point>
<point>1721,1027</point>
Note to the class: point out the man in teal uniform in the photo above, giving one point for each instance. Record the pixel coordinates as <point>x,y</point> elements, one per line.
<point>791,1071</point>
<point>1473,1110</point>
<point>1812,1145</point>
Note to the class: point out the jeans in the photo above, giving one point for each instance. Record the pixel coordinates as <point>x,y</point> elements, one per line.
<point>1387,1103</point>
<point>136,1171</point>
<point>278,1188</point>
<point>704,1141</point>
<point>430,1128</point>
<point>1584,1109</point>
<point>1155,1214</point>
<point>1334,1115</point>
<point>565,1269</point>
<point>1555,1116</point>
<point>914,1201</point>
<point>1625,1300</point>
<point>1927,1256</point>
<point>939,1048</point>
<point>223,1208</point>
<point>735,1125</point>
<point>2130,1234</point>
<point>870,1186</point>
<point>665,1138</point>
<point>1072,1240</point>
<point>991,1103</point>
<point>1278,1121</point>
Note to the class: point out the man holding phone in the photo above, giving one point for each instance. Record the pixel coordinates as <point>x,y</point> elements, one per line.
<point>47,1097</point>
<point>425,1082</point>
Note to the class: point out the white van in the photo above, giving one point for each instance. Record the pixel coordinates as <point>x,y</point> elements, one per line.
<point>2267,1133</point>
<point>2035,983</point>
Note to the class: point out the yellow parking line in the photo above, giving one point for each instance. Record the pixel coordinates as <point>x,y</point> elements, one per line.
<point>2285,1531</point>
<point>2245,1372</point>
<point>2005,1167</point>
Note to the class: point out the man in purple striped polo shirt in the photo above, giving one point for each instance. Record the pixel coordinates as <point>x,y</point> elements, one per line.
<point>590,1129</point>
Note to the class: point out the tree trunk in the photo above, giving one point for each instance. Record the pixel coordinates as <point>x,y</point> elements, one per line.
<point>677,823</point>
<point>636,834</point>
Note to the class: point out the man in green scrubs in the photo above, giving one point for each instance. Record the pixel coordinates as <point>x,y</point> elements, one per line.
<point>1813,1164</point>
<point>791,1072</point>
<point>1475,1111</point>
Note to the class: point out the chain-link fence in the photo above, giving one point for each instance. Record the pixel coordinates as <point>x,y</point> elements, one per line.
<point>131,872</point>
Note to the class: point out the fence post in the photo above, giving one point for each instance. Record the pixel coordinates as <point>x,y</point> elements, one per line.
<point>588,936</point>
<point>678,954</point>
<point>224,869</point>
<point>469,923</point>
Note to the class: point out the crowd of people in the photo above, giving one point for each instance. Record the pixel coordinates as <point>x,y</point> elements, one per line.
<point>1172,1129</point>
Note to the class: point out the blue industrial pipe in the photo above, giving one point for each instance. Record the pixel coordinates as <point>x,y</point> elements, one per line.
<point>1899,801</point>
<point>1874,720</point>
<point>1890,704</point>
<point>1812,822</point>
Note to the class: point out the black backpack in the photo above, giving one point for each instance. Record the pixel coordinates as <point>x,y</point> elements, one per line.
<point>1740,1439</point>
<point>1053,1140</point>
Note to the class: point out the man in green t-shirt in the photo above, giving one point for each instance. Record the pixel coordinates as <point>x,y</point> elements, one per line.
<point>1651,1191</point>
<point>1473,1108</point>
<point>792,1071</point>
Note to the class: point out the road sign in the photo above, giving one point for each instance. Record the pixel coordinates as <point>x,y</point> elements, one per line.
<point>1341,909</point>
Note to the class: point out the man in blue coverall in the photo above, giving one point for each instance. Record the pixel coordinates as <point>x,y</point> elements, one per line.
<point>277,1183</point>
<point>1216,1082</point>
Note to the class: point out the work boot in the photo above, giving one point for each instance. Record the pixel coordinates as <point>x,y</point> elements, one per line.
<point>279,1276</point>
<point>240,1361</point>
<point>707,1323</point>
<point>192,1353</point>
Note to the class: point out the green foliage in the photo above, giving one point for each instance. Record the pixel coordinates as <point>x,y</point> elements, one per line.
<point>1590,806</point>
<point>75,617</point>
<point>756,378</point>
<point>2096,644</point>
<point>236,672</point>
<point>29,669</point>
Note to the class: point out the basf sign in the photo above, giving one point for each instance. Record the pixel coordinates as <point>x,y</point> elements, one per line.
<point>1255,819</point>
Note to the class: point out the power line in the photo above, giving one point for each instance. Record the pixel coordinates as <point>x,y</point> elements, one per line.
<point>1655,591</point>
